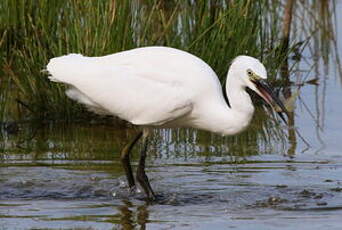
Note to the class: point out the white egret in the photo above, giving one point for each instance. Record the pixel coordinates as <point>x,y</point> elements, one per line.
<point>158,87</point>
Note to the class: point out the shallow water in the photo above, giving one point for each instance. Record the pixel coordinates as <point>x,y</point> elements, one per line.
<point>263,191</point>
<point>70,177</point>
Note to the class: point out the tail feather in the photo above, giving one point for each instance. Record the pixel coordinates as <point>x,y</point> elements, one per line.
<point>73,69</point>
<point>61,69</point>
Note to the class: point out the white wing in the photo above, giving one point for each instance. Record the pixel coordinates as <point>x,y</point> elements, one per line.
<point>138,93</point>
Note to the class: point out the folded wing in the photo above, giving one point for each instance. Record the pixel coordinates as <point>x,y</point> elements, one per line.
<point>140,96</point>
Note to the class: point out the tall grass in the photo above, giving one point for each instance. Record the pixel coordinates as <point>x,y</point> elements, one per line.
<point>32,32</point>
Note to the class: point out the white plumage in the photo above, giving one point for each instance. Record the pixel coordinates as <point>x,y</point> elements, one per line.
<point>158,86</point>
<point>162,87</point>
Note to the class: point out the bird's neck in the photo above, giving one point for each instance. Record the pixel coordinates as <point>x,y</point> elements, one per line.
<point>239,99</point>
<point>241,107</point>
<point>219,118</point>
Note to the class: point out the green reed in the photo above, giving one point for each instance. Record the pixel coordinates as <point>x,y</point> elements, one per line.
<point>32,32</point>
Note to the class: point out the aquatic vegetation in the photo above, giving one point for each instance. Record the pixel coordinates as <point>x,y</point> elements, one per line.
<point>34,31</point>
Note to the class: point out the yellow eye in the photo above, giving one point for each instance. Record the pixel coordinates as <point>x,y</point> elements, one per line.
<point>249,72</point>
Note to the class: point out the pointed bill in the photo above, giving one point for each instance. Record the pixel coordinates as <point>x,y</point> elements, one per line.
<point>267,94</point>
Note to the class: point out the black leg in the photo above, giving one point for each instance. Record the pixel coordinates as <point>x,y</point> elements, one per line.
<point>125,160</point>
<point>141,175</point>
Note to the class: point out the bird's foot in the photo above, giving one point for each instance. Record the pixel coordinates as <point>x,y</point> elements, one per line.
<point>133,190</point>
<point>145,185</point>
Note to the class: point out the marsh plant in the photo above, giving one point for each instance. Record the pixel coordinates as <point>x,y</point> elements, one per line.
<point>32,32</point>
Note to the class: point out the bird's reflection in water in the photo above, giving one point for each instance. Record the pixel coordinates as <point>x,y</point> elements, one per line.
<point>133,217</point>
<point>142,216</point>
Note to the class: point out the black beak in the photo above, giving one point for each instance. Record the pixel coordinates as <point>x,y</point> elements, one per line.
<point>267,94</point>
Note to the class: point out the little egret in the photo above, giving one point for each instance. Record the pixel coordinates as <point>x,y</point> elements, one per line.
<point>161,87</point>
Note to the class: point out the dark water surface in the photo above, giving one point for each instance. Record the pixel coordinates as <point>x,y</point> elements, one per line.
<point>70,177</point>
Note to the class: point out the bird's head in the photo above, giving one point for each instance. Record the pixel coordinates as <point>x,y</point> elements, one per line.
<point>252,74</point>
